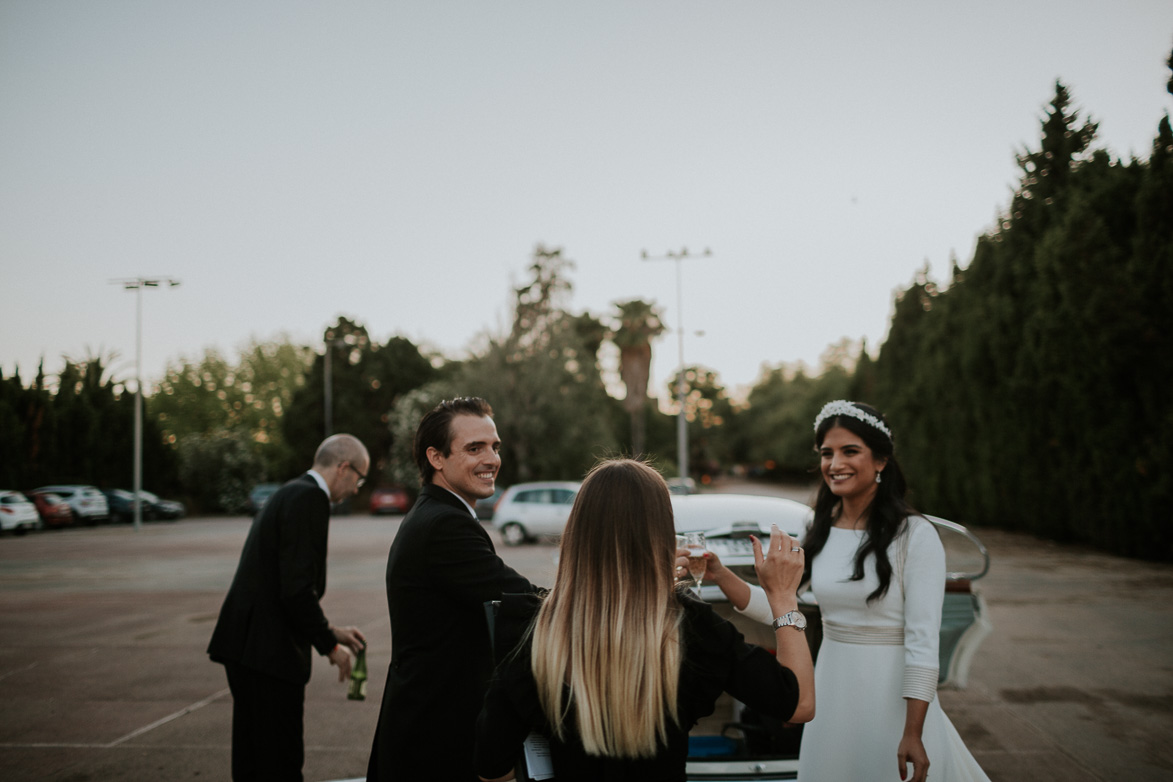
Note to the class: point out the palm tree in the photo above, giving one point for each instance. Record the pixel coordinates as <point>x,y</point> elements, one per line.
<point>639,323</point>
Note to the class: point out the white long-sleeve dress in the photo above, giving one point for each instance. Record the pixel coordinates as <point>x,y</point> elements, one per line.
<point>873,657</point>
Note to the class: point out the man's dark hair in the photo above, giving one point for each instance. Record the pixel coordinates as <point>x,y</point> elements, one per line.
<point>435,430</point>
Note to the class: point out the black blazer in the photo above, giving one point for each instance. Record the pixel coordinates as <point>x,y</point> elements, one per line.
<point>271,615</point>
<point>441,570</point>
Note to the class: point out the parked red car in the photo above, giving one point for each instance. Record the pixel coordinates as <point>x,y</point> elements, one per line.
<point>54,511</point>
<point>390,499</point>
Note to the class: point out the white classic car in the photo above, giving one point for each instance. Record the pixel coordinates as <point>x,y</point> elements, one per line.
<point>734,743</point>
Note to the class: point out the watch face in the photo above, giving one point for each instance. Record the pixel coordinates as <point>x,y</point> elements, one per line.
<point>791,619</point>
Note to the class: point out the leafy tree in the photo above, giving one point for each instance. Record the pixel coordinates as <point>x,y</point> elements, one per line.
<point>219,468</point>
<point>777,419</point>
<point>77,391</point>
<point>1150,372</point>
<point>1047,171</point>
<point>82,434</point>
<point>27,416</point>
<point>366,381</point>
<point>248,398</point>
<point>863,380</point>
<point>1035,391</point>
<point>543,381</point>
<point>12,423</point>
<point>707,411</point>
<point>404,419</point>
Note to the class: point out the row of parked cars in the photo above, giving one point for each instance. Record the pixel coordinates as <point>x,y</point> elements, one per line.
<point>384,499</point>
<point>63,505</point>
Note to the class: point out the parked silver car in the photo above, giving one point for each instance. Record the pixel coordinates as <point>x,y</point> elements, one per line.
<point>89,505</point>
<point>736,744</point>
<point>529,510</point>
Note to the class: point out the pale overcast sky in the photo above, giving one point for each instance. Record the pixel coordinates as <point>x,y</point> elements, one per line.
<point>397,162</point>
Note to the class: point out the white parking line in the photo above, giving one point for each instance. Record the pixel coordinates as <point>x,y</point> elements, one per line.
<point>16,671</point>
<point>170,717</point>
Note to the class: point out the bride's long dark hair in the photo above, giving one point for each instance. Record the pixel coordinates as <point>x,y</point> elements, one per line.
<point>887,511</point>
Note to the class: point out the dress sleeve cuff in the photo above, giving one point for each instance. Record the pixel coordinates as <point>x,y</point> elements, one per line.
<point>325,642</point>
<point>758,607</point>
<point>920,682</point>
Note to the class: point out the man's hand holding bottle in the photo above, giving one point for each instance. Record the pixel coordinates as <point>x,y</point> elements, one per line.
<point>350,639</point>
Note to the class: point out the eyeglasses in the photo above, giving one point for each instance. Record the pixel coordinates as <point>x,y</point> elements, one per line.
<point>361,478</point>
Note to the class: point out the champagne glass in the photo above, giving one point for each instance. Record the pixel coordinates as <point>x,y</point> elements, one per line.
<point>695,543</point>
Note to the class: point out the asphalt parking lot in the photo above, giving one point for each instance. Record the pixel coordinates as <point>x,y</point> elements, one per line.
<point>103,674</point>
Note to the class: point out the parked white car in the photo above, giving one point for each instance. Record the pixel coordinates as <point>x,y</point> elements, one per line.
<point>528,511</point>
<point>17,513</point>
<point>736,744</point>
<point>720,515</point>
<point>89,505</point>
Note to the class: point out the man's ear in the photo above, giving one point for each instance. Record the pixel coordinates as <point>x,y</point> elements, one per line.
<point>435,458</point>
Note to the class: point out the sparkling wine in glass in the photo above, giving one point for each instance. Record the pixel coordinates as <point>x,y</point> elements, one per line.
<point>695,543</point>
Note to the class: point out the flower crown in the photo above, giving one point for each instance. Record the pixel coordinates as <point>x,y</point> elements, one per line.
<point>843,407</point>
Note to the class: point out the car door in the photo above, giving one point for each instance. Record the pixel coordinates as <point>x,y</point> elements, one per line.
<point>534,506</point>
<point>965,621</point>
<point>556,510</point>
<point>521,510</point>
<point>71,499</point>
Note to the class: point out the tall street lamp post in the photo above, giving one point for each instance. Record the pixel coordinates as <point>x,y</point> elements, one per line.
<point>681,384</point>
<point>328,381</point>
<point>137,284</point>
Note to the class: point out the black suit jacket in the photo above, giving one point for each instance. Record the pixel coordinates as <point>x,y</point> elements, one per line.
<point>441,570</point>
<point>271,615</point>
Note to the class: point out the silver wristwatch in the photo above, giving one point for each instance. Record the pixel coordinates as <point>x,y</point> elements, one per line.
<point>793,619</point>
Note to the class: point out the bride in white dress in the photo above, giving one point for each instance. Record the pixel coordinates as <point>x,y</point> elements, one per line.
<point>877,569</point>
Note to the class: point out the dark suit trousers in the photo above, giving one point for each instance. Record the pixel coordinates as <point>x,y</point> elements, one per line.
<point>267,742</point>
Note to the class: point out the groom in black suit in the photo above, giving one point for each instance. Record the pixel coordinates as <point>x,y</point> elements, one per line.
<point>441,570</point>
<point>272,615</point>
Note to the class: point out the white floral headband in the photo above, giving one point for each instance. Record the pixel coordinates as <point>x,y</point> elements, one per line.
<point>843,407</point>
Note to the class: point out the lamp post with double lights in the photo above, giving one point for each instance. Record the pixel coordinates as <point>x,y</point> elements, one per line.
<point>681,384</point>
<point>137,284</point>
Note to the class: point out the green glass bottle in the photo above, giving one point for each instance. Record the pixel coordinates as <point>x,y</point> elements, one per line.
<point>358,677</point>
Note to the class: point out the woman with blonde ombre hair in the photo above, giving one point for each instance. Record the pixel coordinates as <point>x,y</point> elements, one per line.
<point>619,662</point>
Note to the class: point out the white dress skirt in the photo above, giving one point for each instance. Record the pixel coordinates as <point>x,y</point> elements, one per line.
<point>873,657</point>
<point>860,718</point>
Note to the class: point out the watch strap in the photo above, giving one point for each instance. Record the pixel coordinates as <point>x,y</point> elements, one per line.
<point>793,619</point>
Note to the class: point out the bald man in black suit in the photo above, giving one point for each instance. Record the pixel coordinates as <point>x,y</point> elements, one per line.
<point>272,615</point>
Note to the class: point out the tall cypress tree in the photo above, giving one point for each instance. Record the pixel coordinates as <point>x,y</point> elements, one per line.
<point>1150,275</point>
<point>1036,392</point>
